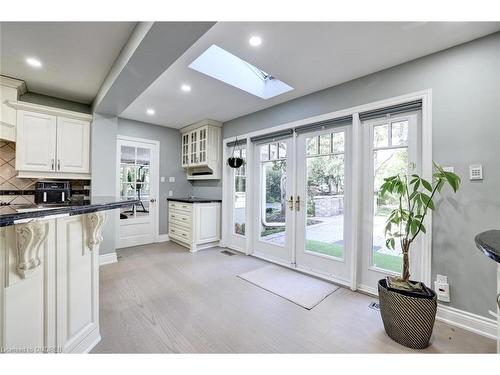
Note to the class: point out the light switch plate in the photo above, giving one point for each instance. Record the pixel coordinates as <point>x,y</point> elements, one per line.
<point>449,169</point>
<point>475,172</point>
<point>171,179</point>
<point>162,179</point>
<point>170,193</point>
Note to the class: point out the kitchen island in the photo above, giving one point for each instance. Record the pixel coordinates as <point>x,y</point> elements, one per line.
<point>489,243</point>
<point>49,275</point>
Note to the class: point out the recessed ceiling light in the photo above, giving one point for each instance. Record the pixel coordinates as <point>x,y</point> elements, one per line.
<point>255,41</point>
<point>150,111</point>
<point>33,62</point>
<point>186,88</point>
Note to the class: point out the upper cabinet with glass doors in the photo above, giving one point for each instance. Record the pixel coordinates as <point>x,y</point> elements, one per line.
<point>201,150</point>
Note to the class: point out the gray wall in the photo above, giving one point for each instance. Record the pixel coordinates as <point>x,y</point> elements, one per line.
<point>51,101</point>
<point>466,113</point>
<point>207,189</point>
<point>170,161</point>
<point>103,168</point>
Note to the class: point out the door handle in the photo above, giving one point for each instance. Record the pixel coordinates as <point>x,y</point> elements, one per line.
<point>297,204</point>
<point>58,164</point>
<point>290,202</point>
<point>52,167</point>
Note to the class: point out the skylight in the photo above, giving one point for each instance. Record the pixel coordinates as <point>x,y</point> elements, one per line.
<point>228,68</point>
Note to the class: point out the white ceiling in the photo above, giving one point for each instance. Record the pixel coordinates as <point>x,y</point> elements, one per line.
<point>76,56</point>
<point>307,56</point>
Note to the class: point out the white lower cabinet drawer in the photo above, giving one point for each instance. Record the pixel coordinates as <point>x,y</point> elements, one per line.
<point>179,233</point>
<point>180,206</point>
<point>179,217</point>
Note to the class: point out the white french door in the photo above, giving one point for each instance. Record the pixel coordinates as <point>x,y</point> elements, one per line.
<point>137,164</point>
<point>391,146</point>
<point>323,243</point>
<point>301,204</point>
<point>274,201</point>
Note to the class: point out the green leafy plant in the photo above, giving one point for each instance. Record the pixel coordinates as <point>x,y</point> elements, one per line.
<point>416,197</point>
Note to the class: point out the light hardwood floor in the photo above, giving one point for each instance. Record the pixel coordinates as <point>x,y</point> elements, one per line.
<point>162,299</point>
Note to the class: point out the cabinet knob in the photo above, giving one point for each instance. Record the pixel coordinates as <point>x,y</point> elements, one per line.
<point>152,200</point>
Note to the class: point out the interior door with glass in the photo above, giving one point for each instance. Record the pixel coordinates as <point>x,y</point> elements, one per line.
<point>273,201</point>
<point>391,146</point>
<point>138,168</point>
<point>323,187</point>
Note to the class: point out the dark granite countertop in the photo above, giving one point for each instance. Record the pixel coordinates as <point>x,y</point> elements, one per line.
<point>489,243</point>
<point>193,200</point>
<point>19,213</point>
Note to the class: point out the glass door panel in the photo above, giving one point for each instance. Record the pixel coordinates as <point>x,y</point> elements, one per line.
<point>390,148</point>
<point>203,145</point>
<point>274,214</point>
<point>239,198</point>
<point>134,180</point>
<point>321,244</point>
<point>194,147</point>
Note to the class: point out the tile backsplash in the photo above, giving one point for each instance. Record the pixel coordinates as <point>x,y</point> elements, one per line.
<point>15,190</point>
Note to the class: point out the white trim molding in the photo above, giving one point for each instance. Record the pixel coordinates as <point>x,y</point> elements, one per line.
<point>468,321</point>
<point>17,84</point>
<point>108,258</point>
<point>26,106</point>
<point>163,238</point>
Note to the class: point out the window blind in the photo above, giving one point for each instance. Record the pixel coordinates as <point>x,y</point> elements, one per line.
<point>271,137</point>
<point>321,125</point>
<point>239,142</point>
<point>392,110</point>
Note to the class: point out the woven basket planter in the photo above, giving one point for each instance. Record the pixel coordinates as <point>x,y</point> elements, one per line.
<point>408,317</point>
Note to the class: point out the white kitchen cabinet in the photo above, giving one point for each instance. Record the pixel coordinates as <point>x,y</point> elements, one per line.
<point>185,150</point>
<point>194,225</point>
<point>52,143</point>
<point>201,150</point>
<point>36,142</point>
<point>73,145</point>
<point>10,89</point>
<point>49,284</point>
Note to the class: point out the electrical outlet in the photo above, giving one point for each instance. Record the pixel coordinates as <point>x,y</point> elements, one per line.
<point>171,179</point>
<point>442,279</point>
<point>449,169</point>
<point>170,193</point>
<point>442,288</point>
<point>162,179</point>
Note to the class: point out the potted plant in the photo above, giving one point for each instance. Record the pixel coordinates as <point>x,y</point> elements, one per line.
<point>408,307</point>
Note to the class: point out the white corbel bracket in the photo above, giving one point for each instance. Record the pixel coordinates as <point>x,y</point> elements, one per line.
<point>29,237</point>
<point>94,222</point>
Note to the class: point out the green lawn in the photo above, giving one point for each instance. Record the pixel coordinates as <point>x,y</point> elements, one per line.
<point>383,261</point>
<point>332,249</point>
<point>388,262</point>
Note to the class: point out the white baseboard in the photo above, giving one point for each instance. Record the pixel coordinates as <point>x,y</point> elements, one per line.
<point>107,258</point>
<point>88,343</point>
<point>163,238</point>
<point>470,322</point>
